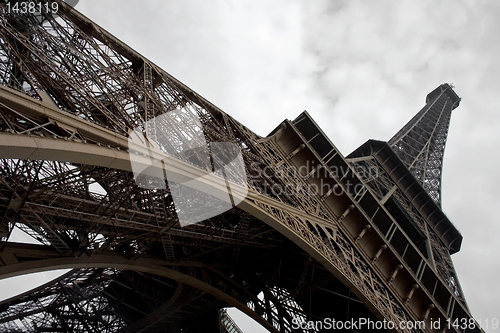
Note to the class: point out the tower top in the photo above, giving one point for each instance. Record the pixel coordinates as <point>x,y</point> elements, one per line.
<point>420,143</point>
<point>447,89</point>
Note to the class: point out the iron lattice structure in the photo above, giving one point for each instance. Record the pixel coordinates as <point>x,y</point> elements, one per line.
<point>315,235</point>
<point>227,325</point>
<point>420,143</point>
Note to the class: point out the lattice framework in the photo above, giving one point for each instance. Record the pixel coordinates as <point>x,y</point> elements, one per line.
<point>420,143</point>
<point>90,211</point>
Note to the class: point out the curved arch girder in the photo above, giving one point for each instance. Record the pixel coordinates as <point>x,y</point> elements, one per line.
<point>286,219</point>
<point>217,285</point>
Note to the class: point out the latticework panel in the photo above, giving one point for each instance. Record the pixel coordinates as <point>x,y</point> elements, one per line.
<point>78,91</point>
<point>76,302</point>
<point>227,324</point>
<point>420,143</point>
<point>385,188</point>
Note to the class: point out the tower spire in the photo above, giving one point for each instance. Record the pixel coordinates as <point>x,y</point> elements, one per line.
<point>420,143</point>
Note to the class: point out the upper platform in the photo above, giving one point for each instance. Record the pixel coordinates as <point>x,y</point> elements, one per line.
<point>448,90</point>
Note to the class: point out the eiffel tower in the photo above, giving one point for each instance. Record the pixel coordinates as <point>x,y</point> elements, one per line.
<point>309,238</point>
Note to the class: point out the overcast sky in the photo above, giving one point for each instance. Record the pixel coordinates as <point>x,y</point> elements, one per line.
<point>362,69</point>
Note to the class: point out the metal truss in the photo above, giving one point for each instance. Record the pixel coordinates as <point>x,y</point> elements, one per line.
<point>72,96</point>
<point>64,305</point>
<point>227,325</point>
<point>428,242</point>
<point>420,143</point>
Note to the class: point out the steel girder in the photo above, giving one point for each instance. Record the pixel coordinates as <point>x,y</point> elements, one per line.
<point>70,97</point>
<point>420,143</point>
